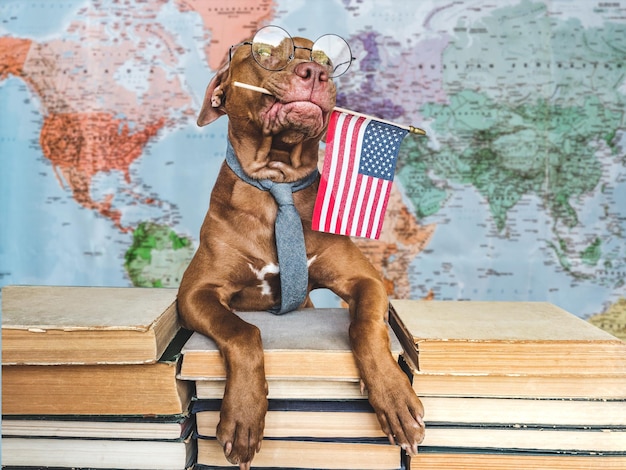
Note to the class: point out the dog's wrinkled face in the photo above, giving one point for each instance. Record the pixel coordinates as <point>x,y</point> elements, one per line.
<point>282,130</point>
<point>304,97</point>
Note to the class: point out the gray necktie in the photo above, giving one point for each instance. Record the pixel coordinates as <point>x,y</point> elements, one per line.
<point>292,262</point>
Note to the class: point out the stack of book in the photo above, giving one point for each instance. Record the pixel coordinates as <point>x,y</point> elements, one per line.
<point>513,385</point>
<point>318,417</point>
<point>89,379</point>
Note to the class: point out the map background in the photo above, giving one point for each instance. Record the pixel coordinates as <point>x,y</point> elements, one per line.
<point>443,238</point>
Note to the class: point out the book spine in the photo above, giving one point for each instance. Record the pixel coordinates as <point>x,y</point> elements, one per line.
<point>411,352</point>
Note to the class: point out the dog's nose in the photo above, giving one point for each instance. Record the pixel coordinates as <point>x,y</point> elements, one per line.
<point>311,71</point>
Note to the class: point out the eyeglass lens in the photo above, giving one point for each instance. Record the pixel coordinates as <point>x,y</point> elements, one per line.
<point>333,50</point>
<point>273,49</point>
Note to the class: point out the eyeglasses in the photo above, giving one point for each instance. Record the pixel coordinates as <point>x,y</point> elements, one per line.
<point>273,48</point>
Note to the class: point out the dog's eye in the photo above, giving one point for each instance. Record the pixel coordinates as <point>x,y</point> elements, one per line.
<point>321,58</point>
<point>263,50</point>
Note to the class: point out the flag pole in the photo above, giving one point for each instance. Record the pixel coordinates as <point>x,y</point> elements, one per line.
<point>411,129</point>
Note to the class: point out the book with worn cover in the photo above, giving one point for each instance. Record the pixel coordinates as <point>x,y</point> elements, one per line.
<point>109,389</point>
<point>51,325</point>
<point>482,459</point>
<point>296,389</point>
<point>374,454</point>
<point>302,418</point>
<point>161,427</point>
<point>525,411</point>
<point>131,454</point>
<point>355,418</point>
<point>511,437</point>
<point>309,344</point>
<point>502,338</point>
<point>573,386</point>
<point>555,386</point>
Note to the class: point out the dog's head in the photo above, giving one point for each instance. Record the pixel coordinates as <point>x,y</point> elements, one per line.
<point>275,136</point>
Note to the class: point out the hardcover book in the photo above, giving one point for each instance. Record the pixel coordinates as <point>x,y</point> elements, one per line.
<point>502,338</point>
<point>307,344</point>
<point>51,325</point>
<point>108,389</point>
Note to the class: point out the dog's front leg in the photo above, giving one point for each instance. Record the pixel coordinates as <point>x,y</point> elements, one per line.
<point>242,416</point>
<point>399,410</point>
<point>342,268</point>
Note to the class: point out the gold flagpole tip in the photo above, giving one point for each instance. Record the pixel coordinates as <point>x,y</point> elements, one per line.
<point>416,130</point>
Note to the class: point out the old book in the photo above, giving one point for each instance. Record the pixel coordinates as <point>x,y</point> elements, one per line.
<point>557,386</point>
<point>298,454</point>
<point>98,426</point>
<point>304,389</point>
<point>502,337</point>
<point>44,325</point>
<point>302,418</point>
<point>176,454</point>
<point>309,344</point>
<point>600,386</point>
<point>523,412</point>
<point>110,389</point>
<point>588,439</point>
<point>482,460</point>
<point>355,418</point>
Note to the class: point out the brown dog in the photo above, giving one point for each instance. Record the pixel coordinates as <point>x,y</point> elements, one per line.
<point>277,138</point>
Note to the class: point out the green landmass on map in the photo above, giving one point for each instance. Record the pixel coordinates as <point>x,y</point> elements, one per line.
<point>158,256</point>
<point>592,254</point>
<point>507,152</point>
<point>527,119</point>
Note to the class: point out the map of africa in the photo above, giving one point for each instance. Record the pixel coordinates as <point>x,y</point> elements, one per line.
<point>517,193</point>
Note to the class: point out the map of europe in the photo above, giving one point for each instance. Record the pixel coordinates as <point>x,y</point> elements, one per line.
<point>517,193</point>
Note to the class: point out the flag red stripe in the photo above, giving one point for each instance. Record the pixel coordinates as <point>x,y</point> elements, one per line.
<point>354,206</point>
<point>339,161</point>
<point>352,177</point>
<point>382,203</point>
<point>340,167</point>
<point>322,192</point>
<point>358,206</point>
<point>374,207</point>
<point>367,194</point>
<point>377,207</point>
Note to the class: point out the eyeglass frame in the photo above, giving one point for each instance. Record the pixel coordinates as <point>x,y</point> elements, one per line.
<point>293,53</point>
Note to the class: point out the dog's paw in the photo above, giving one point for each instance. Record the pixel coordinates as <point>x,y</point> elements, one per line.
<point>240,430</point>
<point>400,412</point>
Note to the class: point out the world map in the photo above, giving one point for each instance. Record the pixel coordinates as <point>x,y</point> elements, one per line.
<point>517,193</point>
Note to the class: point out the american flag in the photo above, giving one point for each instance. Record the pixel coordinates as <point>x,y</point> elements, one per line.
<point>359,165</point>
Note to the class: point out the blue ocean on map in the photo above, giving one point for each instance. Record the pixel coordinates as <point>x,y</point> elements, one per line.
<point>449,265</point>
<point>46,20</point>
<point>44,219</point>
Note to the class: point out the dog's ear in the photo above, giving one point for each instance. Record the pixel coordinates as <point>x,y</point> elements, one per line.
<point>213,104</point>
